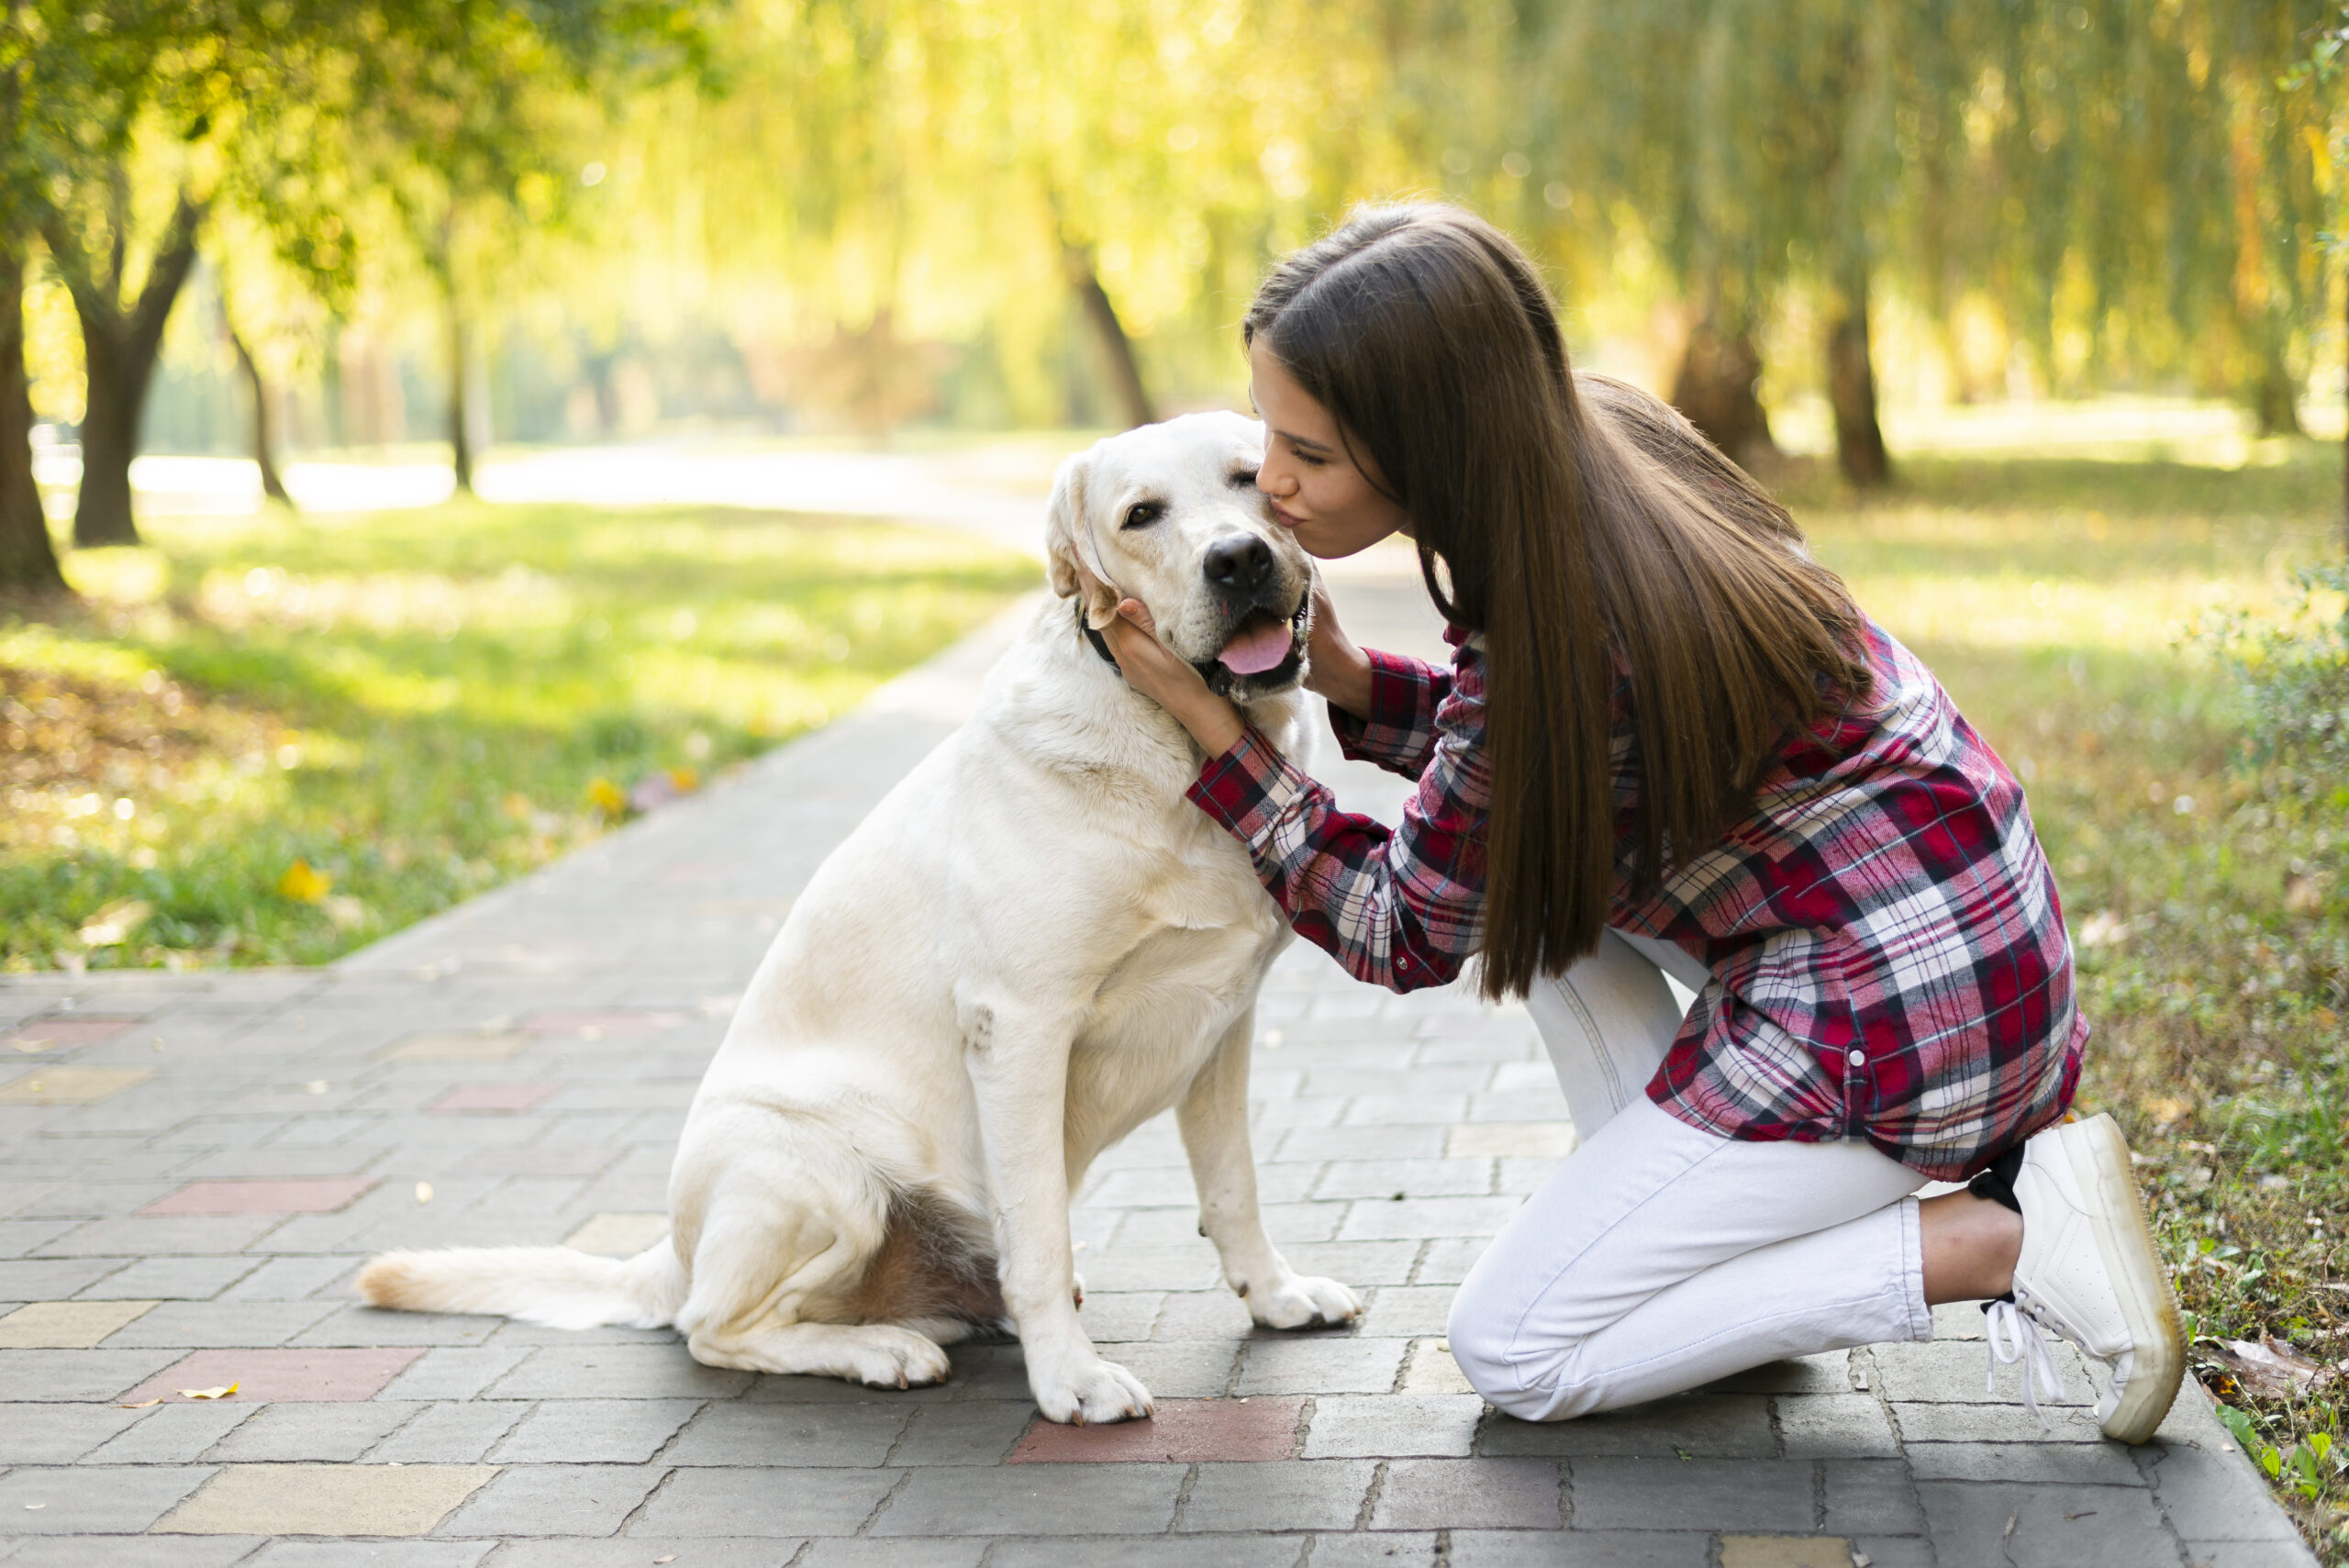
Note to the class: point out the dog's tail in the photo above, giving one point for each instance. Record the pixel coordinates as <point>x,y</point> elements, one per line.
<point>559,1286</point>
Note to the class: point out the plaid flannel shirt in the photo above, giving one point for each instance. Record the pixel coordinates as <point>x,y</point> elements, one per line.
<point>1887,952</point>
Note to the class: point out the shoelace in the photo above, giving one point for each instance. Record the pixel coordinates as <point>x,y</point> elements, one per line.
<point>2014,1335</point>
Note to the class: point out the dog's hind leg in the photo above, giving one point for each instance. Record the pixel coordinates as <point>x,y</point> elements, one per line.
<point>783,1227</point>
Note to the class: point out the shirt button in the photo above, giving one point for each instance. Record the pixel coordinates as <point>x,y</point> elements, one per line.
<point>1402,960</point>
<point>1859,1058</point>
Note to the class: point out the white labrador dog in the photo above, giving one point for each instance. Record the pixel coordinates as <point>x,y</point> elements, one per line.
<point>1034,944</point>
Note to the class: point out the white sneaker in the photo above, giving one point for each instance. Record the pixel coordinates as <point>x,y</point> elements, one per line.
<point>2088,1271</point>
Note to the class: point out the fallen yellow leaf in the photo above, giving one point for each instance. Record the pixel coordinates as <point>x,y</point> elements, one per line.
<point>208,1393</point>
<point>424,1192</point>
<point>142,1405</point>
<point>305,884</point>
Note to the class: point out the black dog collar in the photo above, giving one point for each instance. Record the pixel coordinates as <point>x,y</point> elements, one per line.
<point>1100,643</point>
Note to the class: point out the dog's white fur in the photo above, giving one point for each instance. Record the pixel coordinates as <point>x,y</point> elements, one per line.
<point>1033,945</point>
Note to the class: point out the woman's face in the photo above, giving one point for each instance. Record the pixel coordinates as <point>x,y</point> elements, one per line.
<point>1319,494</point>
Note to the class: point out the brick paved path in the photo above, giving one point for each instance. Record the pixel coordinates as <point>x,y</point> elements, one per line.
<point>190,1168</point>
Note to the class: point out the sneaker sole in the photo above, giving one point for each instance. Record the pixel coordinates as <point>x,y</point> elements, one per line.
<point>2099,1159</point>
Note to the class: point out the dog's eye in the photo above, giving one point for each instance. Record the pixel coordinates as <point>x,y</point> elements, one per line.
<point>1141,513</point>
<point>1243,478</point>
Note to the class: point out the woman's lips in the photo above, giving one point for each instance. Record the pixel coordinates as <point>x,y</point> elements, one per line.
<point>1288,520</point>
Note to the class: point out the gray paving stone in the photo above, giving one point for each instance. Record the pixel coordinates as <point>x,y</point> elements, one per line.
<point>1954,1371</point>
<point>191,1324</point>
<point>168,1279</point>
<point>1470,1493</point>
<point>1200,1315</point>
<point>977,1432</point>
<point>76,1376</point>
<point>133,1552</point>
<point>290,1279</point>
<point>454,1371</point>
<point>1446,1260</point>
<point>554,1500</point>
<point>1148,1551</point>
<point>638,1551</point>
<point>1755,1495</point>
<point>450,1433</point>
<point>388,1553</point>
<point>173,1434</point>
<point>1448,1218</point>
<point>594,1432</point>
<point>1827,1373</point>
<point>1286,1495</point>
<point>616,1372</point>
<point>1407,1310</point>
<point>2055,1465</point>
<point>1578,1547</point>
<point>2045,1526</point>
<point>1320,1364</point>
<point>1031,1500</point>
<point>54,1279</point>
<point>57,1434</point>
<point>1711,1425</point>
<point>134,1237</point>
<point>2223,1496</point>
<point>1835,1426</point>
<point>356,1325</point>
<point>2249,1554</point>
<point>1385,1426</point>
<point>735,1433</point>
<point>1994,1424</point>
<point>1869,1496</point>
<point>1190,1369</point>
<point>310,1431</point>
<point>740,1502</point>
<point>1389,1548</point>
<point>93,1499</point>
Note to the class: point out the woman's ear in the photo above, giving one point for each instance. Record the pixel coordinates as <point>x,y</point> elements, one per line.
<point>1063,520</point>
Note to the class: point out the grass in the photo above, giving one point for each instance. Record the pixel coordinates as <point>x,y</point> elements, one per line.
<point>2208,895</point>
<point>272,739</point>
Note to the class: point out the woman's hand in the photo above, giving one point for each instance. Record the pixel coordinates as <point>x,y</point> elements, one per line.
<point>1152,669</point>
<point>1339,672</point>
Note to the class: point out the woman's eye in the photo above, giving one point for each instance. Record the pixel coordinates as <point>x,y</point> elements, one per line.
<point>1309,460</point>
<point>1143,514</point>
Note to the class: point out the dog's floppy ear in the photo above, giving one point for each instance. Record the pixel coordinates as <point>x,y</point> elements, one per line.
<point>1063,517</point>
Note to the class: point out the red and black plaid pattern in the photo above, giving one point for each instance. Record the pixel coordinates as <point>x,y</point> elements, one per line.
<point>1888,951</point>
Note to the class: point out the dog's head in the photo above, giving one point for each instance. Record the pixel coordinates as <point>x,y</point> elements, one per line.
<point>1170,514</point>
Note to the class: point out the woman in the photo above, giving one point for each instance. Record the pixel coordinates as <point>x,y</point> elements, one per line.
<point>1668,737</point>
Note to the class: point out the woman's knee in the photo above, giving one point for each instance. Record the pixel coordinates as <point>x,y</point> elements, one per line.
<point>1515,1378</point>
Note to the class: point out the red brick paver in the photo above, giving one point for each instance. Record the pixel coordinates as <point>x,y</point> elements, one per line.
<point>60,1034</point>
<point>494,1096</point>
<point>314,1195</point>
<point>288,1376</point>
<point>1180,1432</point>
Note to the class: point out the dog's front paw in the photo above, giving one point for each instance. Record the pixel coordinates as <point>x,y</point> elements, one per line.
<point>1304,1302</point>
<point>1092,1395</point>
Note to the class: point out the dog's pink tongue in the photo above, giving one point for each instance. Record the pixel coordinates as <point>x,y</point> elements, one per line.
<point>1257,648</point>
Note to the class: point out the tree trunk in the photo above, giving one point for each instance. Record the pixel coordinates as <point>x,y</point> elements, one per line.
<point>27,560</point>
<point>2274,398</point>
<point>1851,390</point>
<point>119,346</point>
<point>1716,388</point>
<point>264,455</point>
<point>1117,349</point>
<point>460,433</point>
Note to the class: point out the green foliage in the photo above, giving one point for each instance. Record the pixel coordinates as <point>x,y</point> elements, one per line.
<point>2293,671</point>
<point>417,705</point>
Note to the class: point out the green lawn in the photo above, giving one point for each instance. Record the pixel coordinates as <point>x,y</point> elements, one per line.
<point>2210,897</point>
<point>415,706</point>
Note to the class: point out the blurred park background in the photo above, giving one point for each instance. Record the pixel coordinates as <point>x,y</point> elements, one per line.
<point>433,431</point>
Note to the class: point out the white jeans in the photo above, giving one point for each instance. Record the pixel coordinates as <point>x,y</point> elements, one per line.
<point>1660,1256</point>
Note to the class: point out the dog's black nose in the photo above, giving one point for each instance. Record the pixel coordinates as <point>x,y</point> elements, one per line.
<point>1240,563</point>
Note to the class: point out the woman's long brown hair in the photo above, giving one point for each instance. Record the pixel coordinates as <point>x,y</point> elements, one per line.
<point>1583,527</point>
